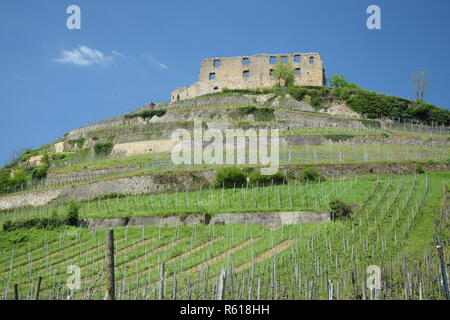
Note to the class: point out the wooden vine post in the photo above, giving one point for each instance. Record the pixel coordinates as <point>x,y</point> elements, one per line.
<point>110,265</point>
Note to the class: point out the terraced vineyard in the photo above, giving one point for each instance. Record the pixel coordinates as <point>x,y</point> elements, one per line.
<point>182,233</point>
<point>392,226</point>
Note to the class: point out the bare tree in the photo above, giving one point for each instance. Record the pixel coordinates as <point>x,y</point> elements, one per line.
<point>420,82</point>
<point>17,153</point>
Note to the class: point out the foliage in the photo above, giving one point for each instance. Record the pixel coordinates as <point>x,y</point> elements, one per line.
<point>110,195</point>
<point>310,175</point>
<point>338,137</point>
<point>52,222</point>
<point>369,103</point>
<point>284,71</point>
<point>40,172</point>
<point>257,179</point>
<point>338,81</point>
<point>28,154</point>
<point>371,123</point>
<point>230,177</point>
<point>339,209</point>
<point>103,149</point>
<point>249,91</point>
<point>72,214</point>
<point>146,114</point>
<point>260,114</point>
<point>78,142</point>
<point>419,169</point>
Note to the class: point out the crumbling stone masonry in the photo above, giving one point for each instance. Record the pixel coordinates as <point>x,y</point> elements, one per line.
<point>251,72</point>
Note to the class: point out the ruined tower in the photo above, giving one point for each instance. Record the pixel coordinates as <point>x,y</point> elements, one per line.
<point>251,72</point>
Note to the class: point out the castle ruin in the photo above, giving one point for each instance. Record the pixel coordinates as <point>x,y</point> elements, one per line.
<point>251,72</point>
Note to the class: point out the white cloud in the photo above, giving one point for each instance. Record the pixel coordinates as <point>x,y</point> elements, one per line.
<point>84,56</point>
<point>118,53</point>
<point>156,62</point>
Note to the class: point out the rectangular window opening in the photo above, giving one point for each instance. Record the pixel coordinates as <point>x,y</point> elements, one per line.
<point>297,58</point>
<point>284,59</point>
<point>245,61</point>
<point>246,74</point>
<point>217,63</point>
<point>212,76</point>
<point>297,71</point>
<point>311,60</point>
<point>273,60</point>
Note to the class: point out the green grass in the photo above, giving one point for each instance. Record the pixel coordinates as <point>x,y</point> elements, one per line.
<point>302,154</point>
<point>317,250</point>
<point>289,197</point>
<point>392,227</point>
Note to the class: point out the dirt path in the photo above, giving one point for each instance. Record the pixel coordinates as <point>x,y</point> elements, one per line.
<point>220,256</point>
<point>266,254</point>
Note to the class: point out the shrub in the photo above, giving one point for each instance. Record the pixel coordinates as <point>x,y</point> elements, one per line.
<point>13,179</point>
<point>40,172</point>
<point>371,123</point>
<point>298,93</point>
<point>247,110</point>
<point>111,195</point>
<point>256,178</point>
<point>310,175</point>
<point>264,114</point>
<point>339,137</point>
<point>249,91</point>
<point>230,177</point>
<point>338,81</point>
<point>78,142</point>
<point>146,114</point>
<point>419,169</point>
<point>385,134</point>
<point>18,178</point>
<point>103,149</point>
<point>52,222</point>
<point>72,214</point>
<point>339,209</point>
<point>260,114</point>
<point>4,181</point>
<point>28,154</point>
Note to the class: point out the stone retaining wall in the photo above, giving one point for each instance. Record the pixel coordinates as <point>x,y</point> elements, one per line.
<point>262,218</point>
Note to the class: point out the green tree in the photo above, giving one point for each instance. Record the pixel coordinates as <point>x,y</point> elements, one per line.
<point>284,71</point>
<point>338,81</point>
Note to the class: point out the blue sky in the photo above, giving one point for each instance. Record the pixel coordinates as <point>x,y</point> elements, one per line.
<point>127,53</point>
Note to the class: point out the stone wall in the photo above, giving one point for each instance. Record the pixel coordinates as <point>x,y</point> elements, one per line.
<point>143,147</point>
<point>29,199</point>
<point>250,72</point>
<point>274,219</point>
